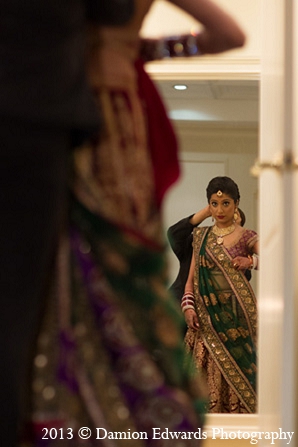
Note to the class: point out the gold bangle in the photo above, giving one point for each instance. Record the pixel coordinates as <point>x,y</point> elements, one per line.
<point>251,262</point>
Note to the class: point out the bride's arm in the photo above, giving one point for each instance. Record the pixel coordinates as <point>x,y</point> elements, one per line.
<point>220,31</point>
<point>188,299</point>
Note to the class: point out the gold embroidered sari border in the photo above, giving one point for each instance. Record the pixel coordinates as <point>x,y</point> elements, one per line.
<point>246,298</point>
<point>225,362</point>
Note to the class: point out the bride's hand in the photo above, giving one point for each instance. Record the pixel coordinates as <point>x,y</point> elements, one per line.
<point>191,319</point>
<point>241,263</point>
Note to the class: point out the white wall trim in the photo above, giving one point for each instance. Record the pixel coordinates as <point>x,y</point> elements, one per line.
<point>206,68</point>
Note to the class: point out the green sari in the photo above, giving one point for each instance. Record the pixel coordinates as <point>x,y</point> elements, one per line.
<point>227,313</point>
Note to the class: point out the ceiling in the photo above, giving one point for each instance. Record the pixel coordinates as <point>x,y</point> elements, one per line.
<point>230,102</point>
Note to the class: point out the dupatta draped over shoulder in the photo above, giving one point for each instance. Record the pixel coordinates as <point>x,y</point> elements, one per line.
<point>227,314</point>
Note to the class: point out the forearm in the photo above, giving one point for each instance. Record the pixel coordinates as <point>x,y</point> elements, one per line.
<point>189,285</point>
<point>188,299</point>
<point>200,216</point>
<point>255,256</point>
<point>220,31</point>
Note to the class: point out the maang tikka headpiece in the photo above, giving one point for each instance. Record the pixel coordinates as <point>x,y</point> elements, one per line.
<point>219,193</point>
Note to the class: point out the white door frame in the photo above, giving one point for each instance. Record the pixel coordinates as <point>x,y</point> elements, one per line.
<point>278,241</point>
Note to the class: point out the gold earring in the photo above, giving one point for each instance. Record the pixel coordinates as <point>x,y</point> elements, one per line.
<point>235,215</point>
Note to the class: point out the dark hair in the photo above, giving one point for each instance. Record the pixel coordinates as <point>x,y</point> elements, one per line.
<point>225,185</point>
<point>242,217</point>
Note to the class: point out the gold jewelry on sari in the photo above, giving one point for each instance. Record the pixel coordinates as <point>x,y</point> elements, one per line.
<point>221,232</point>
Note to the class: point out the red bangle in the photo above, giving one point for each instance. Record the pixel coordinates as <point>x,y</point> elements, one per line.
<point>188,301</point>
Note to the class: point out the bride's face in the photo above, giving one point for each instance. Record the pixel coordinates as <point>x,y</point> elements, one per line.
<point>222,209</point>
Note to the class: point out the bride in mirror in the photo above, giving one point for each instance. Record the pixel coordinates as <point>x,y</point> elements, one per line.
<point>219,304</point>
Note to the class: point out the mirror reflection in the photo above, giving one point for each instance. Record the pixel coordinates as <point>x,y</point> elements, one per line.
<point>217,123</point>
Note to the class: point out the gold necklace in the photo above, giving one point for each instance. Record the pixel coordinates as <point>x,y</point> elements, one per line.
<point>221,232</point>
